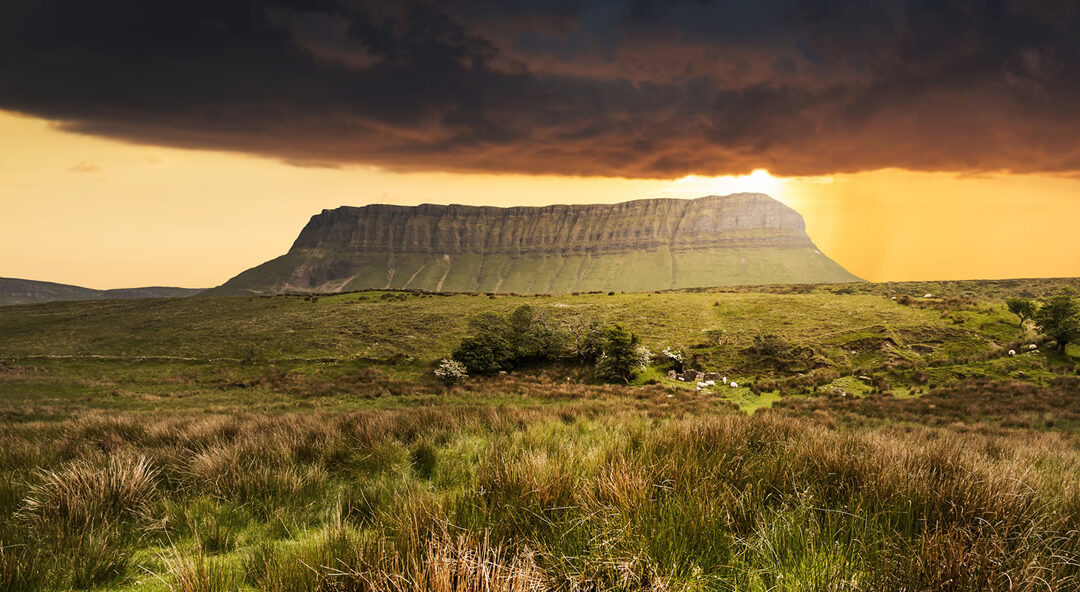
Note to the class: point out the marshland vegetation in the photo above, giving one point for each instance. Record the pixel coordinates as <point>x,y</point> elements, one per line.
<point>302,443</point>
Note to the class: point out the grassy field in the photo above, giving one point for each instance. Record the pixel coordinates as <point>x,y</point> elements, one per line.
<point>301,443</point>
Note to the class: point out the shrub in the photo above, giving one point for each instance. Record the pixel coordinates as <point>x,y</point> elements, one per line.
<point>644,357</point>
<point>619,359</point>
<point>486,353</point>
<point>773,346</point>
<point>451,372</point>
<point>676,358</point>
<point>1059,318</point>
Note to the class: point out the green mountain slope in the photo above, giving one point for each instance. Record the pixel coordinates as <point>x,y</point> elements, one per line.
<point>643,245</point>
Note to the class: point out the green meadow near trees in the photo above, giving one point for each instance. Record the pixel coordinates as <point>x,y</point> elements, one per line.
<point>877,440</point>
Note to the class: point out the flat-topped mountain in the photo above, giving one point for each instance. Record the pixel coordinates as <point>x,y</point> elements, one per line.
<point>19,291</point>
<point>648,244</point>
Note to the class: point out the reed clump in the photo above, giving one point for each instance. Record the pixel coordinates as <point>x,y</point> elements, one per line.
<point>575,496</point>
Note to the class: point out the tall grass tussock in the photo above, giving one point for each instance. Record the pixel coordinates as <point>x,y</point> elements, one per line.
<point>287,444</point>
<point>540,499</point>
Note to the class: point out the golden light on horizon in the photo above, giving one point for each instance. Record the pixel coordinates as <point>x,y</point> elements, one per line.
<point>104,214</point>
<point>758,181</point>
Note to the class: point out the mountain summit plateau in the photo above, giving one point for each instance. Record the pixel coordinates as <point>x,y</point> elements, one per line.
<point>641,245</point>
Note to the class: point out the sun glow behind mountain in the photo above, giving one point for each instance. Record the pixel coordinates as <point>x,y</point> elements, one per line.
<point>759,181</point>
<point>108,214</point>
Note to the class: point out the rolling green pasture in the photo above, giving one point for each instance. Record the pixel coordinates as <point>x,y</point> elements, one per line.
<point>300,443</point>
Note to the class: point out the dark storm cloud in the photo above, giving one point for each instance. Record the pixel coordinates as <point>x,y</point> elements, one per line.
<point>635,88</point>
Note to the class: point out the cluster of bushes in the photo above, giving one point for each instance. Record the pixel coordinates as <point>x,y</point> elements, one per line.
<point>531,336</point>
<point>1057,317</point>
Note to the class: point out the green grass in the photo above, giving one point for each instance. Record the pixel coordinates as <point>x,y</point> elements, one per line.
<point>290,443</point>
<point>424,327</point>
<point>622,500</point>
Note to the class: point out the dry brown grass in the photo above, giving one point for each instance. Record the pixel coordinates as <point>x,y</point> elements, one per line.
<point>582,496</point>
<point>82,496</point>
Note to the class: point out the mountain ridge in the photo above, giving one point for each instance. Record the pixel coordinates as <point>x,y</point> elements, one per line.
<point>23,291</point>
<point>638,245</point>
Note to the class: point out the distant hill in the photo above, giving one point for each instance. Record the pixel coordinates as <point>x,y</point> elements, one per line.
<point>642,245</point>
<point>17,291</point>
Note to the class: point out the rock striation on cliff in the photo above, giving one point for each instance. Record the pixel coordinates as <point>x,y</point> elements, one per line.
<point>647,244</point>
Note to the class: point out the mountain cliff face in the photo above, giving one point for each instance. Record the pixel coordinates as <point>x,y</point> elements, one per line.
<point>648,244</point>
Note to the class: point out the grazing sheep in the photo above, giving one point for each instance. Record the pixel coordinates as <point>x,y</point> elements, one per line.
<point>699,388</point>
<point>681,379</point>
<point>1012,352</point>
<point>928,295</point>
<point>710,383</point>
<point>734,384</point>
<point>1033,347</point>
<point>893,298</point>
<point>725,380</point>
<point>700,384</point>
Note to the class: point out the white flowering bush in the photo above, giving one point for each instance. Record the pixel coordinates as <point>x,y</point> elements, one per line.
<point>451,372</point>
<point>644,356</point>
<point>675,357</point>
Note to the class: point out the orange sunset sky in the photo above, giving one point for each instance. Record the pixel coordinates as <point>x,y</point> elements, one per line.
<point>180,143</point>
<point>105,213</point>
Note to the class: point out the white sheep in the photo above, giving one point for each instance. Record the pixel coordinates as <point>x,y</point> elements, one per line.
<point>1033,347</point>
<point>928,295</point>
<point>700,384</point>
<point>710,383</point>
<point>734,384</point>
<point>699,388</point>
<point>1012,352</point>
<point>725,380</point>
<point>681,379</point>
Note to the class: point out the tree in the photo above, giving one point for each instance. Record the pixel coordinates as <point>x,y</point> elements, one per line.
<point>500,342</point>
<point>486,353</point>
<point>619,360</point>
<point>1022,307</point>
<point>586,338</point>
<point>491,322</point>
<point>535,336</point>
<point>1059,318</point>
